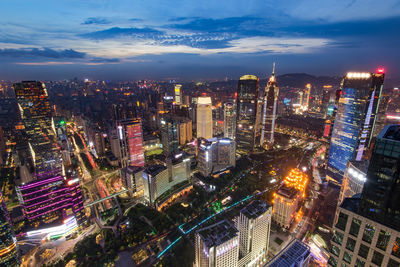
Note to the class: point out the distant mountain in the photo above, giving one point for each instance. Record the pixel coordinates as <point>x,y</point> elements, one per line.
<point>299,80</point>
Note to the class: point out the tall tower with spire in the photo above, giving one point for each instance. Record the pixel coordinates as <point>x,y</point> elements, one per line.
<point>269,110</point>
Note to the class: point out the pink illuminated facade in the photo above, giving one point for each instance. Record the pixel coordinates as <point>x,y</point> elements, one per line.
<point>131,142</point>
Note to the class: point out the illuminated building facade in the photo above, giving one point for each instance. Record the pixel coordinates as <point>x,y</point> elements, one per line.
<point>131,142</point>
<point>285,204</point>
<point>178,94</point>
<point>229,120</point>
<point>8,243</point>
<point>175,131</point>
<point>254,225</point>
<point>204,118</point>
<point>158,179</point>
<point>295,254</point>
<point>269,110</point>
<point>354,121</point>
<point>46,196</point>
<point>248,115</point>
<point>215,155</point>
<point>366,230</point>
<point>50,201</point>
<point>288,197</point>
<point>132,178</point>
<point>217,245</point>
<point>353,179</point>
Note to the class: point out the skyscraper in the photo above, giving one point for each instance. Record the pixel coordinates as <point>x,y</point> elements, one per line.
<point>229,120</point>
<point>217,245</point>
<point>354,122</point>
<point>8,243</point>
<point>178,94</point>
<point>46,196</point>
<point>367,226</point>
<point>269,110</point>
<point>204,118</point>
<point>248,113</point>
<point>380,198</point>
<point>131,142</point>
<point>254,225</point>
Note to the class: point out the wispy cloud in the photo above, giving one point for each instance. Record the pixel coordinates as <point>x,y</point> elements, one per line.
<point>45,52</point>
<point>99,21</point>
<point>117,32</point>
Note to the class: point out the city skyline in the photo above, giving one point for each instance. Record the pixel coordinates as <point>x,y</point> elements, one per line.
<point>186,40</point>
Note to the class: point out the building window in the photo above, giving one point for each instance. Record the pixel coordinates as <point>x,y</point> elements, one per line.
<point>359,263</point>
<point>335,250</point>
<point>369,232</point>
<point>347,257</point>
<point>383,240</point>
<point>396,248</point>
<point>393,263</point>
<point>332,261</point>
<point>351,243</point>
<point>342,221</point>
<point>377,258</point>
<point>363,251</point>
<point>355,227</point>
<point>338,238</point>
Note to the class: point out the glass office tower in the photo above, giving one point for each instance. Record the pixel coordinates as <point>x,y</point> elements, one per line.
<point>354,122</point>
<point>380,198</point>
<point>269,110</point>
<point>248,113</point>
<point>229,120</point>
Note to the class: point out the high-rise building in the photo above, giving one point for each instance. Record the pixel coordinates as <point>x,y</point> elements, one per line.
<point>269,110</point>
<point>157,179</point>
<point>380,199</point>
<point>366,229</point>
<point>130,137</point>
<point>47,197</point>
<point>8,243</point>
<point>307,93</point>
<point>295,254</point>
<point>217,245</point>
<point>229,120</point>
<point>175,131</point>
<point>248,115</point>
<point>254,225</point>
<point>215,155</point>
<point>286,202</point>
<point>354,121</point>
<point>178,94</point>
<point>354,178</point>
<point>132,178</point>
<point>204,126</point>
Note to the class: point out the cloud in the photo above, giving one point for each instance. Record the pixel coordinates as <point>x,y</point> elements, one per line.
<point>96,20</point>
<point>44,52</point>
<point>117,32</point>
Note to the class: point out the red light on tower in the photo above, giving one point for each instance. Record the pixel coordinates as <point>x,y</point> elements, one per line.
<point>380,70</point>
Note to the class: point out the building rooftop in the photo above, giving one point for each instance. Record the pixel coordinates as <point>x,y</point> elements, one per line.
<point>153,170</point>
<point>255,209</point>
<point>217,234</point>
<point>132,169</point>
<point>292,255</point>
<point>288,192</point>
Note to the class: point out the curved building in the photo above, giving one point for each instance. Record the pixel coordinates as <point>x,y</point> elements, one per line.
<point>8,244</point>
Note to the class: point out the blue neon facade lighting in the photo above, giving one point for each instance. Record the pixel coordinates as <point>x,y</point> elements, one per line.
<point>354,121</point>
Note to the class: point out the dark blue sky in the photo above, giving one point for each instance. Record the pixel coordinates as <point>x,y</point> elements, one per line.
<point>104,39</point>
